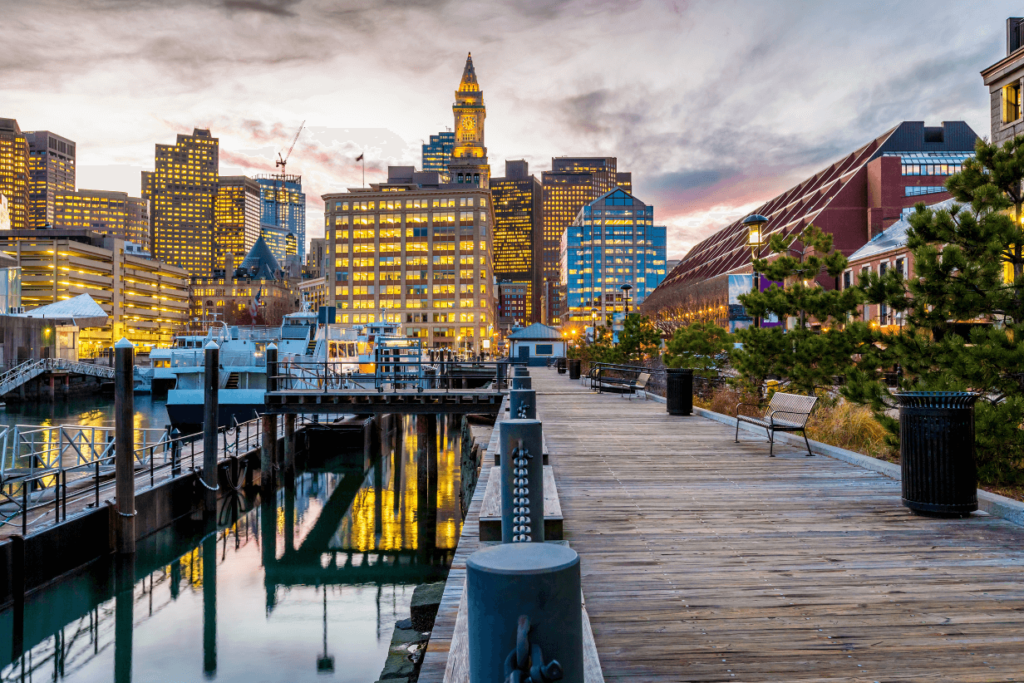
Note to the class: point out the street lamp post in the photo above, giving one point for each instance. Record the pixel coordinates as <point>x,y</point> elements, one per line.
<point>755,225</point>
<point>625,295</point>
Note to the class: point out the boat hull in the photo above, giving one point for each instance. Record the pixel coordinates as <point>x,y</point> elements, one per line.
<point>185,408</point>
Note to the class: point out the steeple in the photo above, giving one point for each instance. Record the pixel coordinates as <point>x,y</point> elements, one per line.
<point>469,83</point>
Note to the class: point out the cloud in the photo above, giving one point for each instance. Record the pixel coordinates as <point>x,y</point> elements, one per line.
<point>281,8</point>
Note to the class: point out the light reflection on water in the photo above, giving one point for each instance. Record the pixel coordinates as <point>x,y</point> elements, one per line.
<point>92,411</point>
<point>320,571</point>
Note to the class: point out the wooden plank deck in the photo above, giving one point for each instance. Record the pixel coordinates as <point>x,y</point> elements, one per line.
<point>704,560</point>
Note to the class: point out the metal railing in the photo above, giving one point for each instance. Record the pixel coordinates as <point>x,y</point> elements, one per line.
<point>324,376</point>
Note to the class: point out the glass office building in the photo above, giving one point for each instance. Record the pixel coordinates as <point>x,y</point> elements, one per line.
<point>438,152</point>
<point>284,206</point>
<point>612,242</point>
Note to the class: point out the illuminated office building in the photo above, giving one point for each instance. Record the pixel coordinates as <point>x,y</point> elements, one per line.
<point>468,165</point>
<point>51,171</point>
<point>437,153</point>
<point>181,191</point>
<point>571,184</point>
<point>612,242</point>
<point>108,213</point>
<point>417,254</point>
<point>14,182</point>
<point>276,239</point>
<point>147,300</point>
<point>236,213</point>
<point>283,205</point>
<point>517,243</point>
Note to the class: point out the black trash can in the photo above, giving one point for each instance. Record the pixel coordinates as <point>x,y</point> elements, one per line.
<point>560,365</point>
<point>679,391</point>
<point>937,452</point>
<point>574,368</point>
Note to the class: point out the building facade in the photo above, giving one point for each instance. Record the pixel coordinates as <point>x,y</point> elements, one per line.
<point>611,243</point>
<point>284,206</point>
<point>147,300</point>
<point>517,243</point>
<point>468,165</point>
<point>1005,80</point>
<point>181,192</point>
<point>51,171</point>
<point>108,213</point>
<point>513,304</point>
<point>419,256</point>
<point>853,199</point>
<point>438,153</point>
<point>14,182</point>
<point>571,184</point>
<point>236,227</point>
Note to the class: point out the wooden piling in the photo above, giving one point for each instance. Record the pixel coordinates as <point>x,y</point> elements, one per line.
<point>210,410</point>
<point>124,447</point>
<point>268,447</point>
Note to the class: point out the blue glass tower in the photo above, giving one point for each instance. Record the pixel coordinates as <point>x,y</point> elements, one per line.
<point>283,205</point>
<point>612,242</point>
<point>438,152</point>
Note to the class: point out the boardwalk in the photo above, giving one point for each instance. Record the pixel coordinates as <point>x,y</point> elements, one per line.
<point>704,560</point>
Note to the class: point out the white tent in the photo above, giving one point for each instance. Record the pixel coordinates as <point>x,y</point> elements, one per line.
<point>82,311</point>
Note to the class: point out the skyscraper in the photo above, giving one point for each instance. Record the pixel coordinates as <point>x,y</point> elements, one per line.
<point>236,213</point>
<point>181,192</point>
<point>517,242</point>
<point>108,213</point>
<point>612,242</point>
<point>14,172</point>
<point>283,206</point>
<point>571,184</point>
<point>51,171</point>
<point>469,156</point>
<point>438,152</point>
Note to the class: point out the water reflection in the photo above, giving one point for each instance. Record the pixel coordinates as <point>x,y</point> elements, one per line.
<point>307,582</point>
<point>92,411</point>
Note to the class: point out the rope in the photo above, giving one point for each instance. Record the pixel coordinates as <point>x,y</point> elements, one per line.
<point>207,486</point>
<point>126,514</point>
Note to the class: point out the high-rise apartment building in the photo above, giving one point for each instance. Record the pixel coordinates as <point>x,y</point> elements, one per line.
<point>108,213</point>
<point>517,241</point>
<point>283,205</point>
<point>612,242</point>
<point>236,213</point>
<point>14,172</point>
<point>571,184</point>
<point>51,171</point>
<point>468,165</point>
<point>417,255</point>
<point>437,153</point>
<point>181,191</point>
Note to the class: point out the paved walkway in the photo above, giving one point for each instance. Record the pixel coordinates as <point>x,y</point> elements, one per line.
<point>705,560</point>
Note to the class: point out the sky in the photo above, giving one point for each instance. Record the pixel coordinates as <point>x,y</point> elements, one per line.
<point>714,106</point>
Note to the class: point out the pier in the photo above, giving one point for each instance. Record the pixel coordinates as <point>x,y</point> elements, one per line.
<point>704,559</point>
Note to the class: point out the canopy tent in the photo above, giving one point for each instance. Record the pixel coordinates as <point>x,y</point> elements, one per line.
<point>82,311</point>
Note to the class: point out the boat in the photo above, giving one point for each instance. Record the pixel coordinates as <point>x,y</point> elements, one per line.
<point>164,378</point>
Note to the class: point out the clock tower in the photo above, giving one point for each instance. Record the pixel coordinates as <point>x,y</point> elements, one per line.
<point>468,163</point>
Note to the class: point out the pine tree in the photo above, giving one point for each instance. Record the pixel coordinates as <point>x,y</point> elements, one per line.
<point>968,265</point>
<point>702,346</point>
<point>639,339</point>
<point>823,336</point>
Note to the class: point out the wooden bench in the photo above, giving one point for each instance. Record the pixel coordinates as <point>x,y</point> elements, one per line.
<point>785,413</point>
<point>490,510</point>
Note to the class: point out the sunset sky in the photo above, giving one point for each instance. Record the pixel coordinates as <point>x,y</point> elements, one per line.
<point>714,106</point>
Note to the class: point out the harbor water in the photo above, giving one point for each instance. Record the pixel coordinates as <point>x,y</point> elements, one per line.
<point>305,585</point>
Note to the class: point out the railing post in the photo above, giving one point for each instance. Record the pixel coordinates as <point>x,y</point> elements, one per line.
<point>175,452</point>
<point>210,413</point>
<point>124,445</point>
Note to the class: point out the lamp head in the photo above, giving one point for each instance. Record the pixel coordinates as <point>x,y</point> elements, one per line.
<point>755,228</point>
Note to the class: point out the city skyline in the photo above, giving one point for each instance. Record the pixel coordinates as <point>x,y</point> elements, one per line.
<point>683,94</point>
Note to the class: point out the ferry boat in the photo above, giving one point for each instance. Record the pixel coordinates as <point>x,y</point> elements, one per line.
<point>164,379</point>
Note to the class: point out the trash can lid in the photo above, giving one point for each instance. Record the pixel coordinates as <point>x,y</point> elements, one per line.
<point>937,399</point>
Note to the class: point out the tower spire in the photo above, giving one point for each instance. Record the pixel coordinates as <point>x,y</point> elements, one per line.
<point>469,82</point>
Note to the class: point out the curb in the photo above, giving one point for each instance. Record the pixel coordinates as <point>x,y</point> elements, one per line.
<point>991,503</point>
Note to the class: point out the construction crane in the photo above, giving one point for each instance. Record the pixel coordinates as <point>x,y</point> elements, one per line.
<point>283,163</point>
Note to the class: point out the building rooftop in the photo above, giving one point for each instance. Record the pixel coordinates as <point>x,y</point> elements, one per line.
<point>536,332</point>
<point>893,237</point>
<point>82,310</point>
<point>259,263</point>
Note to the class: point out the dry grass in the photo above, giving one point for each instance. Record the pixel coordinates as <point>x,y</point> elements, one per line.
<point>853,427</point>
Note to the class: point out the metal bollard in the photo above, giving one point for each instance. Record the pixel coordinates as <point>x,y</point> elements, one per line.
<point>525,614</point>
<point>520,371</point>
<point>523,404</point>
<point>211,410</point>
<point>522,383</point>
<point>124,446</point>
<point>522,482</point>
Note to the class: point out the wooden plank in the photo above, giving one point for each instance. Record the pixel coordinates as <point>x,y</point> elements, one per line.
<point>704,559</point>
<point>490,510</point>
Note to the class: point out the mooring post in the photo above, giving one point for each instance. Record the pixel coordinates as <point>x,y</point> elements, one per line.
<point>289,445</point>
<point>525,613</point>
<point>522,481</point>
<point>521,382</point>
<point>268,539</point>
<point>210,607</point>
<point>523,404</point>
<point>124,617</point>
<point>124,446</point>
<point>210,413</point>
<point>268,447</point>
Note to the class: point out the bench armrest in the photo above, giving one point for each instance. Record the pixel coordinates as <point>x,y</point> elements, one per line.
<point>753,405</point>
<point>789,412</point>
